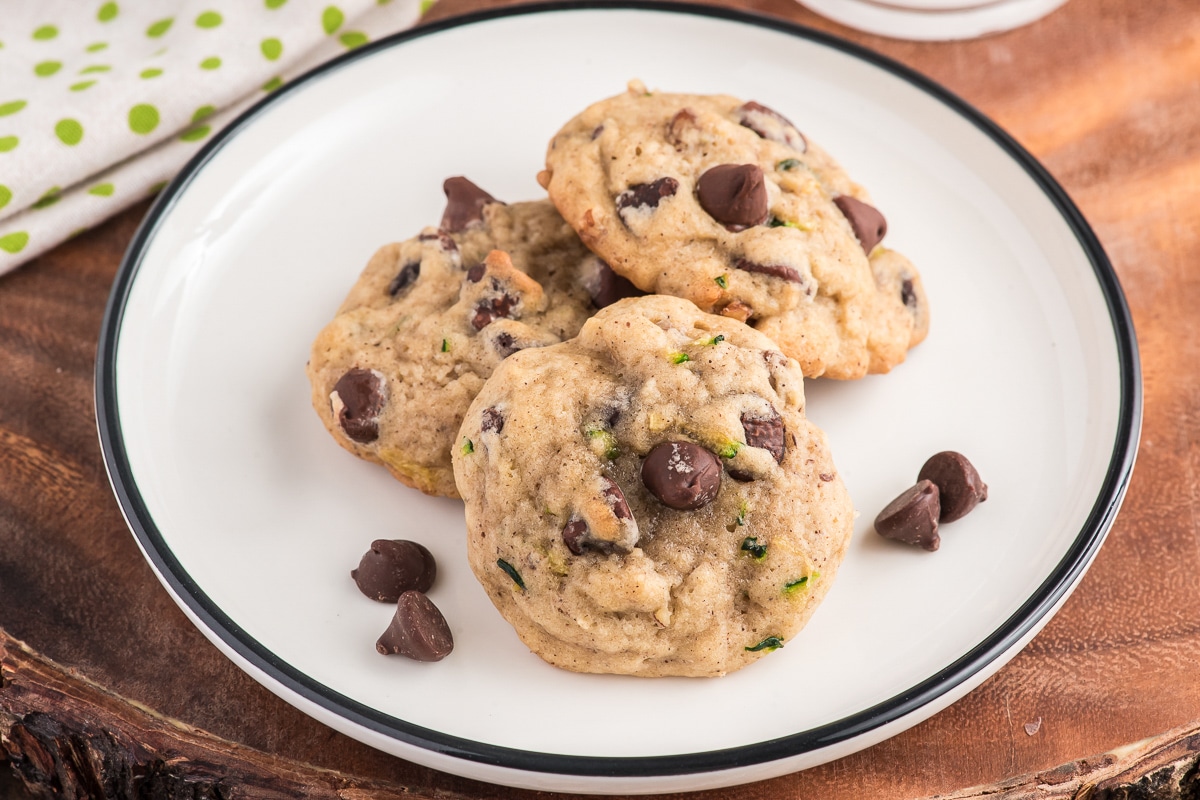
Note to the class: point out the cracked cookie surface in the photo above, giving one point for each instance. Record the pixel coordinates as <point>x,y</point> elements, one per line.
<point>649,498</point>
<point>430,318</point>
<point>726,203</point>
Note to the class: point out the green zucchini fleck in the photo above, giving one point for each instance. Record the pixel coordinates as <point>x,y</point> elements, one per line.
<point>445,345</point>
<point>468,447</point>
<point>729,449</point>
<point>720,337</point>
<point>722,281</point>
<point>791,587</point>
<point>751,546</point>
<point>768,644</point>
<point>788,164</point>
<point>680,358</point>
<point>511,572</point>
<point>603,442</point>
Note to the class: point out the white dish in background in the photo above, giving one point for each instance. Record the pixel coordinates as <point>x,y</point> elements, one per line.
<point>253,517</point>
<point>933,20</point>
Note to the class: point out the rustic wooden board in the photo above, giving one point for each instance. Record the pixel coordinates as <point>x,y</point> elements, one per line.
<point>1105,92</point>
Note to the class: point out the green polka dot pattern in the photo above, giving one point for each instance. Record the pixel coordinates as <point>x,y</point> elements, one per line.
<point>14,242</point>
<point>107,12</point>
<point>143,118</point>
<point>45,69</point>
<point>11,107</point>
<point>209,19</point>
<point>69,131</point>
<point>5,195</point>
<point>45,33</point>
<point>212,62</point>
<point>271,48</point>
<point>8,143</point>
<point>160,28</point>
<point>332,19</point>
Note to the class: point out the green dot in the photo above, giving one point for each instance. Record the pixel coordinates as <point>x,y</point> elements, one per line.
<point>5,195</point>
<point>209,19</point>
<point>159,28</point>
<point>153,72</point>
<point>156,188</point>
<point>195,134</point>
<point>426,5</point>
<point>69,131</point>
<point>49,198</point>
<point>79,87</point>
<point>14,242</point>
<point>102,190</point>
<point>107,12</point>
<point>94,68</point>
<point>273,4</point>
<point>8,143</point>
<point>97,47</point>
<point>212,62</point>
<point>203,112</point>
<point>272,84</point>
<point>271,48</point>
<point>47,68</point>
<point>11,107</point>
<point>332,19</point>
<point>45,33</point>
<point>353,39</point>
<point>143,118</point>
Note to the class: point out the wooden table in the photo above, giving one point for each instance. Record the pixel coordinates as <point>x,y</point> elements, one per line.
<point>106,689</point>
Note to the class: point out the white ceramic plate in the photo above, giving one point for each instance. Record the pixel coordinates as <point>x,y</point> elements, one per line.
<point>253,517</point>
<point>933,20</point>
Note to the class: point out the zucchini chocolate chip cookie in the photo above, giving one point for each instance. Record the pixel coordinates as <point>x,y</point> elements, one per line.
<point>726,203</point>
<point>430,318</point>
<point>648,498</point>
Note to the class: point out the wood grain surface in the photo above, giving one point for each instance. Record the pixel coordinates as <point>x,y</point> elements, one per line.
<point>107,690</point>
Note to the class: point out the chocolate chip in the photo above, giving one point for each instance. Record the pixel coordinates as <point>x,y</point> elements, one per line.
<point>361,394</point>
<point>596,131</point>
<point>774,270</point>
<point>770,124</point>
<point>392,567</point>
<point>912,517</point>
<point>418,630</point>
<point>908,294</point>
<point>408,273</point>
<point>616,500</point>
<point>578,539</point>
<point>958,482</point>
<point>464,204</point>
<point>491,420</point>
<point>765,432</point>
<point>443,239</point>
<point>734,194</point>
<point>682,475</point>
<point>684,118</point>
<point>489,311</point>
<point>647,194</point>
<point>869,225</point>
<point>505,344</point>
<point>475,273</point>
<point>607,287</point>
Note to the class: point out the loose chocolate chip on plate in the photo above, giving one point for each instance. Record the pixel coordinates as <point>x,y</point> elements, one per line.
<point>361,394</point>
<point>958,482</point>
<point>734,195</point>
<point>912,517</point>
<point>404,278</point>
<point>770,124</point>
<point>464,204</point>
<point>647,194</point>
<point>869,225</point>
<point>765,432</point>
<point>418,630</point>
<point>392,567</point>
<point>607,287</point>
<point>774,270</point>
<point>682,475</point>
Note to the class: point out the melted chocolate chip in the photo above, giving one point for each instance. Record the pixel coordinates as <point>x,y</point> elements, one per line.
<point>475,273</point>
<point>683,119</point>
<point>912,517</point>
<point>734,194</point>
<point>607,287</point>
<point>770,124</point>
<point>958,483</point>
<point>616,500</point>
<point>647,194</point>
<point>908,294</point>
<point>489,311</point>
<point>774,270</point>
<point>869,225</point>
<point>464,204</point>
<point>408,273</point>
<point>505,344</point>
<point>578,538</point>
<point>418,630</point>
<point>491,420</point>
<point>765,432</point>
<point>443,239</point>
<point>361,393</point>
<point>392,567</point>
<point>596,131</point>
<point>682,475</point>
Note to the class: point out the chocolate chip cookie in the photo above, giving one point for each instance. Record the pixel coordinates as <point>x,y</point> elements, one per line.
<point>649,498</point>
<point>726,203</point>
<point>430,319</point>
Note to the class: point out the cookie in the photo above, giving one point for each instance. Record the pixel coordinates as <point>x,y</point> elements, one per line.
<point>649,498</point>
<point>726,203</point>
<point>430,318</point>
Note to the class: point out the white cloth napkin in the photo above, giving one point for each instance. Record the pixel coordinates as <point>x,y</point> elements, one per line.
<point>103,101</point>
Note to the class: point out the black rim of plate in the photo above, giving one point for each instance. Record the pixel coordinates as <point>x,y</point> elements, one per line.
<point>1027,617</point>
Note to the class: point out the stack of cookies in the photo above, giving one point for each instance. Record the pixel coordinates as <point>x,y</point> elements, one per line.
<point>612,379</point>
